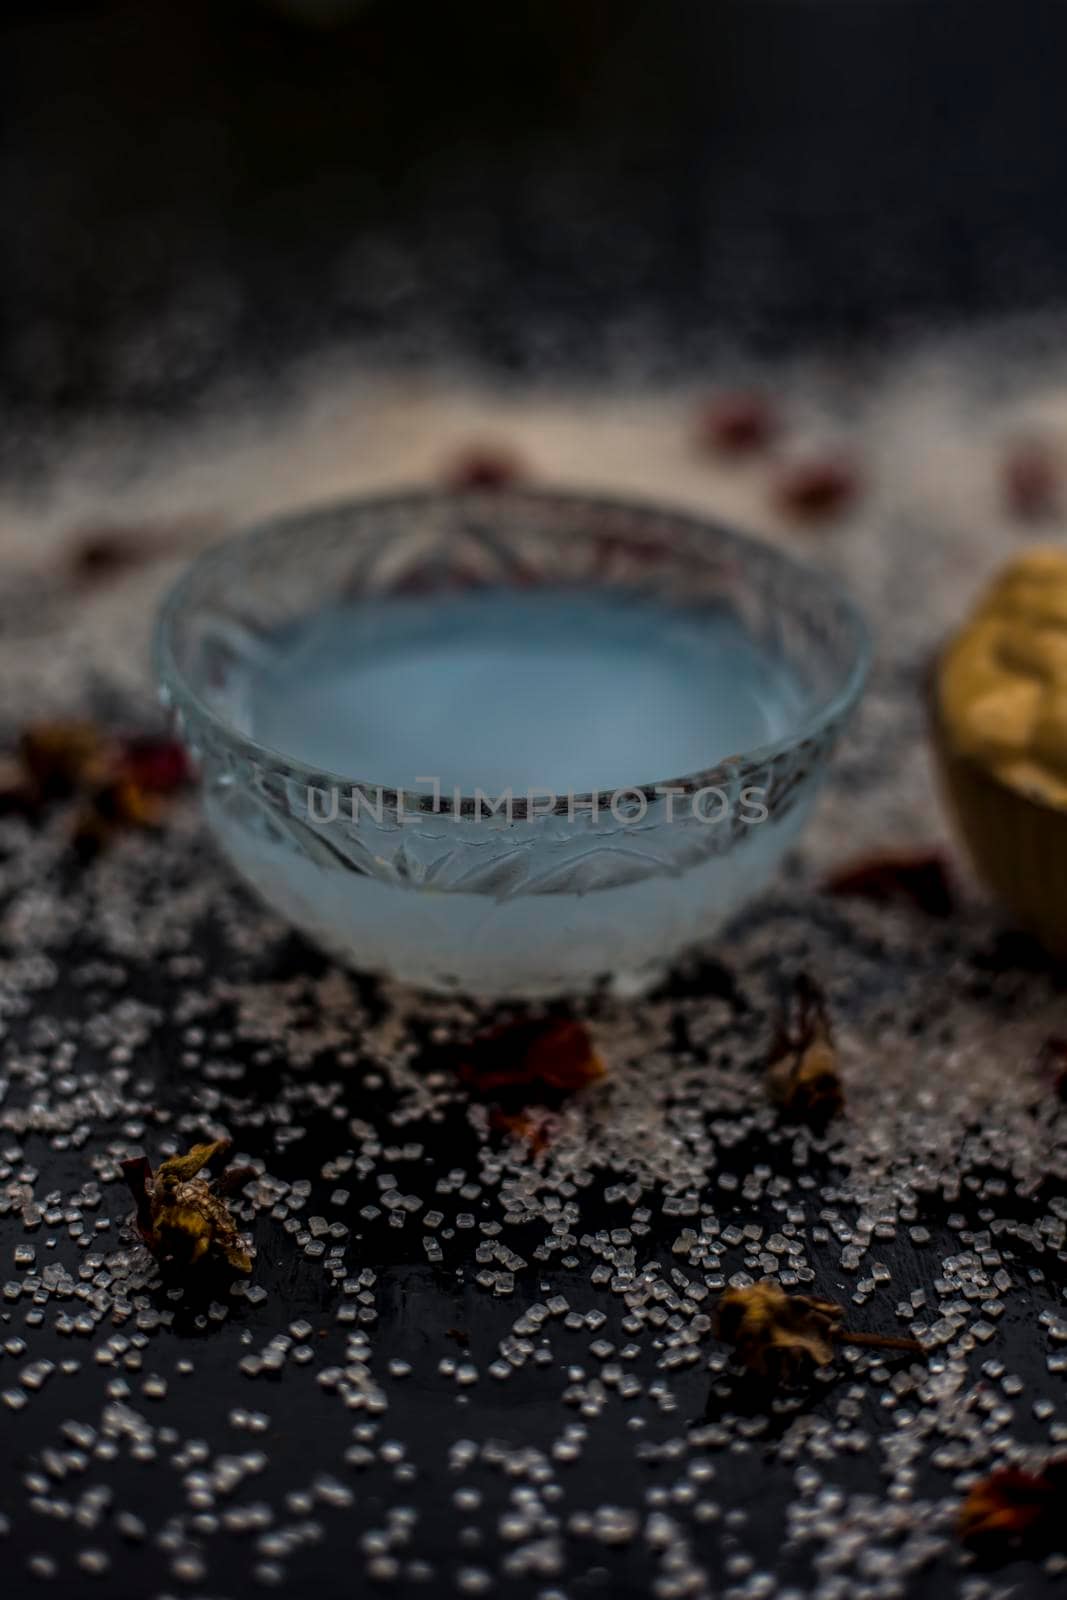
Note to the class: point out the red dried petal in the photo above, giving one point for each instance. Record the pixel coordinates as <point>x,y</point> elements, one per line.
<point>110,808</point>
<point>485,467</point>
<point>1052,1063</point>
<point>99,551</point>
<point>1030,482</point>
<point>60,757</point>
<point>920,877</point>
<point>234,1179</point>
<point>816,490</point>
<point>554,1054</point>
<point>735,424</point>
<point>802,1073</point>
<point>19,796</point>
<point>158,765</point>
<point>1012,1508</point>
<point>102,552</point>
<point>120,783</point>
<point>138,1173</point>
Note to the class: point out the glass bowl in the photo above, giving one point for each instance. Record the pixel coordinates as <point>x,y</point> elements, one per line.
<point>503,895</point>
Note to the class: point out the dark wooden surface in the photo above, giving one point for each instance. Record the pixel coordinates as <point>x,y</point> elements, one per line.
<point>199,192</point>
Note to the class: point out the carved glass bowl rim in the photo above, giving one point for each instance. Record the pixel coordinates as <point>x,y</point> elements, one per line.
<point>183,697</point>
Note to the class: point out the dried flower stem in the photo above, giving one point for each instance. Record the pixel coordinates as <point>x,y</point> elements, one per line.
<point>877,1341</point>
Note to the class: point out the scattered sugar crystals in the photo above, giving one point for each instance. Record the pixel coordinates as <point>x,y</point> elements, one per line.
<point>433,1312</point>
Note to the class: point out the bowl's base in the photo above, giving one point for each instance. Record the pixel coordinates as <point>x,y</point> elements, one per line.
<point>543,941</point>
<point>624,986</point>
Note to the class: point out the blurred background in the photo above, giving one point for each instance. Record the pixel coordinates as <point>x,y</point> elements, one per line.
<point>199,188</point>
<point>259,252</point>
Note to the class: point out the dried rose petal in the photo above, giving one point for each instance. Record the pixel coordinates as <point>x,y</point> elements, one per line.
<point>60,757</point>
<point>157,765</point>
<point>920,877</point>
<point>485,467</point>
<point>783,1337</point>
<point>181,1215</point>
<point>120,782</point>
<point>1030,482</point>
<point>802,1073</point>
<point>780,1337</point>
<point>740,423</point>
<point>816,490</point>
<point>551,1053</point>
<point>137,1173</point>
<point>1052,1064</point>
<point>19,796</point>
<point>112,807</point>
<point>1013,1512</point>
<point>103,552</point>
